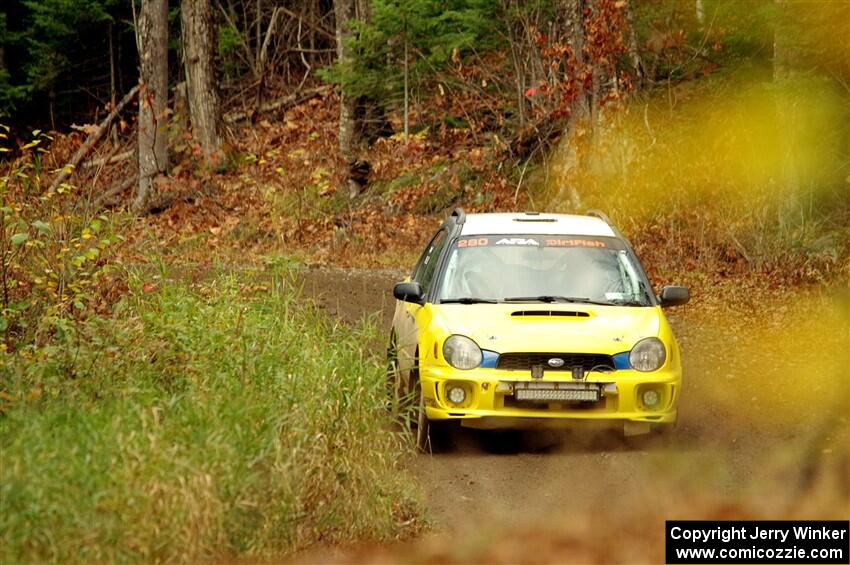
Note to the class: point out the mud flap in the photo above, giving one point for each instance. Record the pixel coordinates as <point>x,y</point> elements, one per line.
<point>636,428</point>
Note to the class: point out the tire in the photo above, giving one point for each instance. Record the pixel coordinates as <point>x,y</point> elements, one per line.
<point>421,428</point>
<point>429,436</point>
<point>407,406</point>
<point>403,403</point>
<point>393,378</point>
<point>666,431</point>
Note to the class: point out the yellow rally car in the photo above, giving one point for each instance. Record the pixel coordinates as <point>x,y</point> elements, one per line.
<point>511,320</point>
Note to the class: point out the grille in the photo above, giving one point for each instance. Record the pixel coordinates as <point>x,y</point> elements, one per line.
<point>524,361</point>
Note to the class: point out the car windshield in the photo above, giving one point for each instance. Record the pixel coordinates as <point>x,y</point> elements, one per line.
<point>534,268</point>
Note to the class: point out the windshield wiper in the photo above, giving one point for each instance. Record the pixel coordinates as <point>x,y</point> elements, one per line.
<point>467,300</point>
<point>550,299</point>
<point>627,303</point>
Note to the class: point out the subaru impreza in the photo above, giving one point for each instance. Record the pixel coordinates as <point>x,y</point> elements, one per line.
<point>526,319</point>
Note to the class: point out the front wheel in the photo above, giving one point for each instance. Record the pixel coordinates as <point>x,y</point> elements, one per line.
<point>393,381</point>
<point>429,436</point>
<point>421,428</point>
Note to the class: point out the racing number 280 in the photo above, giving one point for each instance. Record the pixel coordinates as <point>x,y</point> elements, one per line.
<point>479,242</point>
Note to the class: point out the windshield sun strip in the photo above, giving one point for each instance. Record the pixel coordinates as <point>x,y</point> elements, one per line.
<point>642,298</point>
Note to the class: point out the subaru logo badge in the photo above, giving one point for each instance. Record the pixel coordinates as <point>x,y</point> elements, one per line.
<point>556,362</point>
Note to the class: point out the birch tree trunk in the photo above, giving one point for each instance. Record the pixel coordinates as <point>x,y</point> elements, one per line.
<point>344,12</point>
<point>152,37</point>
<point>198,49</point>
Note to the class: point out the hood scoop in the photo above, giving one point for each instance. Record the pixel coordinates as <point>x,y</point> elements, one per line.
<point>550,313</point>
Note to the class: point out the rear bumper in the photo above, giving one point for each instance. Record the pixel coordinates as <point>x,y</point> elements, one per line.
<point>490,404</point>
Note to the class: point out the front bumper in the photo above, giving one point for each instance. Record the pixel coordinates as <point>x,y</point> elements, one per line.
<point>490,403</point>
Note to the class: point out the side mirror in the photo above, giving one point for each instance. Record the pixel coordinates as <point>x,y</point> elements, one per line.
<point>674,296</point>
<point>409,292</point>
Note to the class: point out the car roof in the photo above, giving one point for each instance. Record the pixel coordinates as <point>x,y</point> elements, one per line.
<point>535,223</point>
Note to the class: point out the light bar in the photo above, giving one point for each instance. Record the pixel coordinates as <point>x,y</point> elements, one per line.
<point>591,395</point>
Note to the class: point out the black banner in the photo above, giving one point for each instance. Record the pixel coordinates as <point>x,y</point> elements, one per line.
<point>769,541</point>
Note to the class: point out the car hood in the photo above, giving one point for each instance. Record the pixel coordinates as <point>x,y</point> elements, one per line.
<point>550,327</point>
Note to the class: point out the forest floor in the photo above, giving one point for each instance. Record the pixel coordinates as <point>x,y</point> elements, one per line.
<point>760,436</point>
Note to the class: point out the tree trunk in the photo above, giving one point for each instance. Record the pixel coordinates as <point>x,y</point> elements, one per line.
<point>785,51</point>
<point>574,9</point>
<point>152,38</point>
<point>370,115</point>
<point>406,95</point>
<point>785,61</point>
<point>344,12</point>
<point>633,46</point>
<point>112,87</point>
<point>364,10</point>
<point>198,49</point>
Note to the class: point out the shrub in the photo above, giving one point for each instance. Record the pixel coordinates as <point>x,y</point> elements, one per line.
<point>54,246</point>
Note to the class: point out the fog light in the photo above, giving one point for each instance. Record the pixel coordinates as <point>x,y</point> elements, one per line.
<point>651,398</point>
<point>456,395</point>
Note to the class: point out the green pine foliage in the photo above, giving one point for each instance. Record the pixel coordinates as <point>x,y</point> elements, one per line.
<point>10,92</point>
<point>53,26</point>
<point>431,31</point>
<point>55,47</point>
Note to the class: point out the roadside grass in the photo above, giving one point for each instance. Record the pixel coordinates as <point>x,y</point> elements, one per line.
<point>208,421</point>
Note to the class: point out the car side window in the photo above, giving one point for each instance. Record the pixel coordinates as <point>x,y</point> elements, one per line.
<point>425,269</point>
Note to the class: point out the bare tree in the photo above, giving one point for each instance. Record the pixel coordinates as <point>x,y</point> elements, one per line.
<point>344,13</point>
<point>198,45</point>
<point>152,39</point>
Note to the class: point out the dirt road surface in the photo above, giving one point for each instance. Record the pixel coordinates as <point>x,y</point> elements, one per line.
<point>762,434</point>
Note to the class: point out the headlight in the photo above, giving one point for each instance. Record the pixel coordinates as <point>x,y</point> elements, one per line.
<point>648,354</point>
<point>461,352</point>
